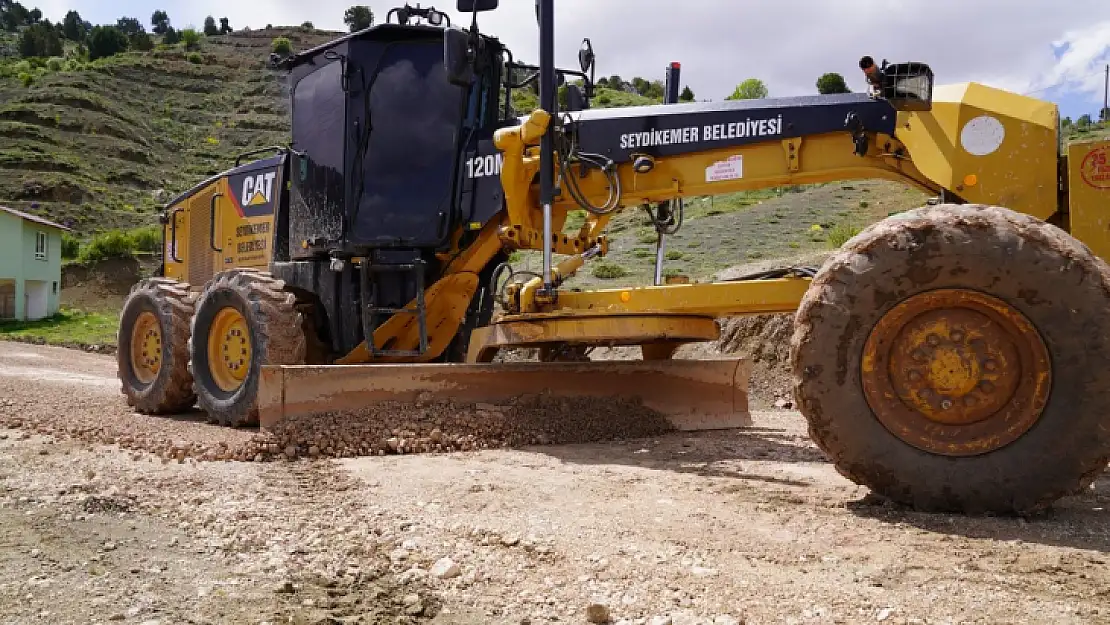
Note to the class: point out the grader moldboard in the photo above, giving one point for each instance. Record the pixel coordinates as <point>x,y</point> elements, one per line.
<point>955,357</point>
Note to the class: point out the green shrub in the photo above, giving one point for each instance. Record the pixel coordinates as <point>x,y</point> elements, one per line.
<point>191,38</point>
<point>71,246</point>
<point>674,255</point>
<point>148,239</point>
<point>840,233</point>
<point>142,42</point>
<point>863,204</point>
<point>282,45</point>
<point>195,58</point>
<point>609,271</point>
<point>55,63</point>
<point>106,41</point>
<point>27,79</point>
<point>111,244</point>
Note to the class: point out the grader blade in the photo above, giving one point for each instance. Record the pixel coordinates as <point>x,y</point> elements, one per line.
<point>691,394</point>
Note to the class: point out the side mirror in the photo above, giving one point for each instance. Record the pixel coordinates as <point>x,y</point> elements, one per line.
<point>586,56</point>
<point>470,6</point>
<point>456,57</point>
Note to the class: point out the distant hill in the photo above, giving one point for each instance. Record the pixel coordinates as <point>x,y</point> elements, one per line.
<point>101,144</point>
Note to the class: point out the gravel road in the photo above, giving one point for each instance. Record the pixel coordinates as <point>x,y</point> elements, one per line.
<point>728,527</point>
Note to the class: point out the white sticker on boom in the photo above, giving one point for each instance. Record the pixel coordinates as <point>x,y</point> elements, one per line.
<point>982,135</point>
<point>730,169</point>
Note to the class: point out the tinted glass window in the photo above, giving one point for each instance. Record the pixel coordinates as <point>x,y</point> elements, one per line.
<point>409,159</point>
<point>316,204</point>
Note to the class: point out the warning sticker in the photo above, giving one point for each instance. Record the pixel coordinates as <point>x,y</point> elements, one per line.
<point>1096,168</point>
<point>730,169</point>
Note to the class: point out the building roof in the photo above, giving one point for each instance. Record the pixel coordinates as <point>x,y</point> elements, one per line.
<point>34,218</point>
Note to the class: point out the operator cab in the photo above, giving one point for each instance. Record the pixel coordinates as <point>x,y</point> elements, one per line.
<point>393,134</point>
<point>381,136</point>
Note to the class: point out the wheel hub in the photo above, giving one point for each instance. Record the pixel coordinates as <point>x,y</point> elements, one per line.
<point>956,372</point>
<point>229,349</point>
<point>146,347</point>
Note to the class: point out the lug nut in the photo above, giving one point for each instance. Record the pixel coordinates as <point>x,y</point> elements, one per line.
<point>957,335</point>
<point>933,340</point>
<point>969,401</point>
<point>918,355</point>
<point>990,365</point>
<point>986,386</point>
<point>946,404</point>
<point>914,376</point>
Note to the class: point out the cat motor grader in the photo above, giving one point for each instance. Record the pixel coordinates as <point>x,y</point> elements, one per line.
<point>952,357</point>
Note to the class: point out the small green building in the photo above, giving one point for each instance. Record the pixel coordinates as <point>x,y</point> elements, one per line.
<point>30,265</point>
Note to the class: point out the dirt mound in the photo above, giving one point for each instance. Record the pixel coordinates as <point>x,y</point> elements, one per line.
<point>102,286</point>
<point>765,339</point>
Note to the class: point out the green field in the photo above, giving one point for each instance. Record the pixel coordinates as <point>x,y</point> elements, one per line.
<point>69,328</point>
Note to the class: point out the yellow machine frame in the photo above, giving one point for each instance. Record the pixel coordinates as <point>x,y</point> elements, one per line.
<point>929,154</point>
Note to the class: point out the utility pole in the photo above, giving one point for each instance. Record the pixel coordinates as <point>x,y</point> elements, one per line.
<point>1105,112</point>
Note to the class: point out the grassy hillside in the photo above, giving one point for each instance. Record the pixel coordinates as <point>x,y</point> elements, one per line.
<point>102,144</point>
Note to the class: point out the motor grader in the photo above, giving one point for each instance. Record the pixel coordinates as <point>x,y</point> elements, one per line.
<point>953,357</point>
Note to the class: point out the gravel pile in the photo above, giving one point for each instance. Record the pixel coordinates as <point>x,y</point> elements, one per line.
<point>445,427</point>
<point>383,429</point>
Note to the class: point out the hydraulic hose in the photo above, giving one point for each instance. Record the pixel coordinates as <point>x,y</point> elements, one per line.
<point>604,164</point>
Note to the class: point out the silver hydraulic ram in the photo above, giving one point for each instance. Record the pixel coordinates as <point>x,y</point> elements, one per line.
<point>548,102</point>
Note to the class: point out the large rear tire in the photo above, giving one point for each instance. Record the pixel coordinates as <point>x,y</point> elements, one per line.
<point>244,319</point>
<point>153,347</point>
<point>957,358</point>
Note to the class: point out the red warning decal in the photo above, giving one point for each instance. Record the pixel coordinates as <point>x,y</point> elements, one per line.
<point>1096,168</point>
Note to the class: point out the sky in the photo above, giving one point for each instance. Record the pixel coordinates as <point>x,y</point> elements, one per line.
<point>1051,49</point>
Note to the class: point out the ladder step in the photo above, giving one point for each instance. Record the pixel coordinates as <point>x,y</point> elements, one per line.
<point>420,311</point>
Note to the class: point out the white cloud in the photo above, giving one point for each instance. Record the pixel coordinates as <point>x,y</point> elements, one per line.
<point>1081,67</point>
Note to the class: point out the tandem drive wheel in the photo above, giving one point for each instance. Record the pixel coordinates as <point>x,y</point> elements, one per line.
<point>244,319</point>
<point>153,347</point>
<point>957,358</point>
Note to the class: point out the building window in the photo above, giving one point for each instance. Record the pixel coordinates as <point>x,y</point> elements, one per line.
<point>40,246</point>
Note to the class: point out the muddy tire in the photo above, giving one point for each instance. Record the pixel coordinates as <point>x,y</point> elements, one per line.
<point>1005,408</point>
<point>244,319</point>
<point>153,347</point>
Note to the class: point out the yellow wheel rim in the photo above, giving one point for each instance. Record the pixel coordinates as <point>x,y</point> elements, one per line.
<point>956,372</point>
<point>146,347</point>
<point>229,349</point>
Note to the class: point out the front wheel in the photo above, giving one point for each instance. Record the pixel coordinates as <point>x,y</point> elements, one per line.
<point>957,358</point>
<point>244,319</point>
